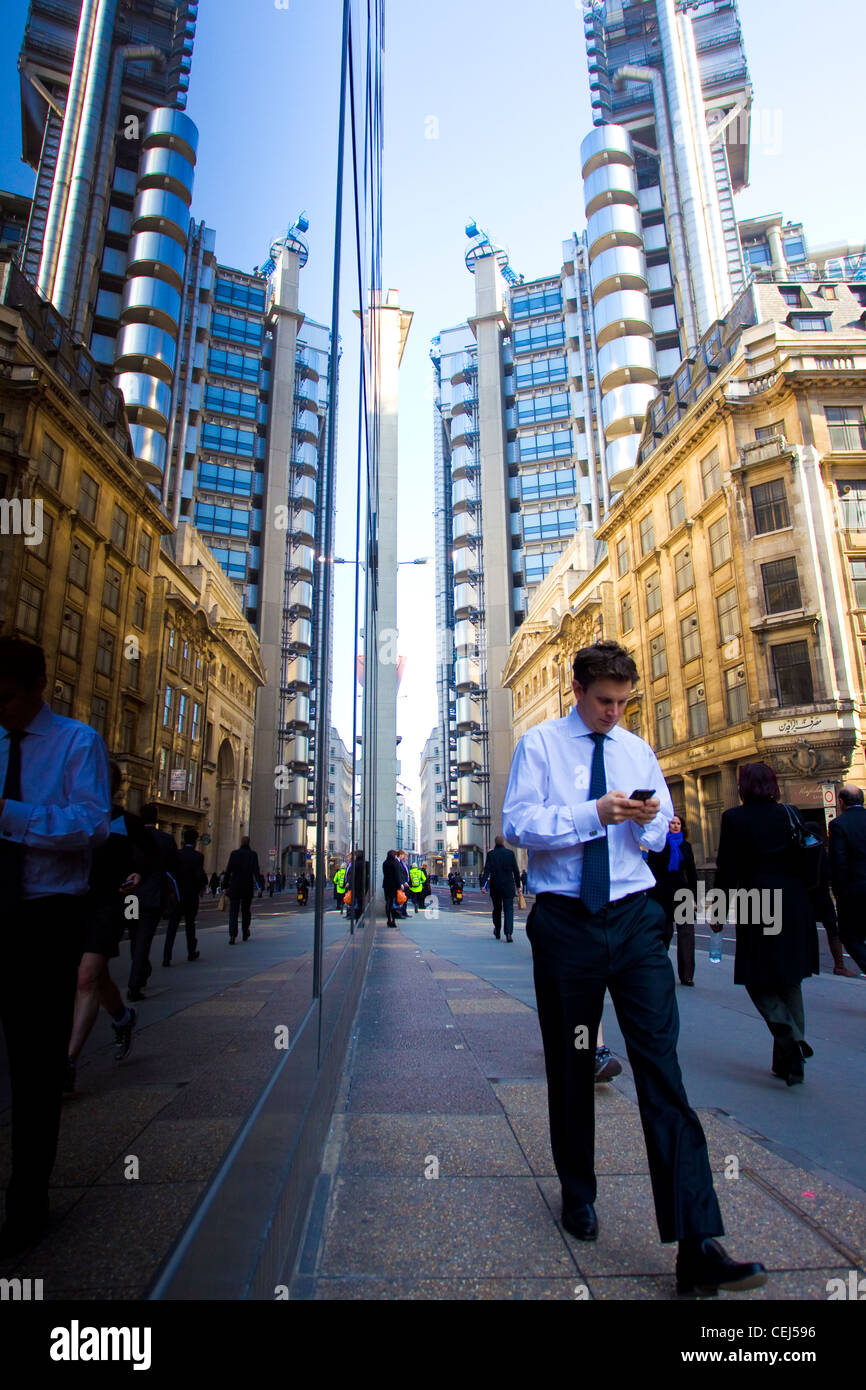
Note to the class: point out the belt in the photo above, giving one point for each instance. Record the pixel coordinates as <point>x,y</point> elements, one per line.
<point>567,899</point>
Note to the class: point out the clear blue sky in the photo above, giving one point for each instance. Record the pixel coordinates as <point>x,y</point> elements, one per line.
<point>506,86</point>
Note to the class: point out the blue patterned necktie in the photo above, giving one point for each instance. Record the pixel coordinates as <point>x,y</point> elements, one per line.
<point>595,874</point>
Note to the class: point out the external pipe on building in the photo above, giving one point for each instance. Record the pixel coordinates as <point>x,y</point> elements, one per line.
<point>706,170</point>
<point>178,426</point>
<point>687,167</point>
<point>130,53</point>
<point>86,148</point>
<point>580,272</point>
<point>66,149</point>
<point>670,189</point>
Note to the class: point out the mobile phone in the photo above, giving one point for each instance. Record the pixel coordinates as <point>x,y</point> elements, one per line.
<point>642,794</point>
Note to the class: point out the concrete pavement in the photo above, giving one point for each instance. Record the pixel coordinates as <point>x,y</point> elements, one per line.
<point>438,1182</point>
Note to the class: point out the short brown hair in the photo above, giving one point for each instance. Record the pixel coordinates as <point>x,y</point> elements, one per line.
<point>757,782</point>
<point>603,661</point>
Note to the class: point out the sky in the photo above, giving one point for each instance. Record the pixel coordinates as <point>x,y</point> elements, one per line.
<point>486,103</point>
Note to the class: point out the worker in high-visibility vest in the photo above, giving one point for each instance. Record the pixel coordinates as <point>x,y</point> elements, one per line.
<point>340,887</point>
<point>417,885</point>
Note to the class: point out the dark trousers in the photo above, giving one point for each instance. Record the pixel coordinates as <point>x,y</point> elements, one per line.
<point>187,909</point>
<point>244,907</point>
<point>46,933</point>
<point>141,934</point>
<point>854,945</point>
<point>686,951</point>
<point>502,905</point>
<point>577,955</point>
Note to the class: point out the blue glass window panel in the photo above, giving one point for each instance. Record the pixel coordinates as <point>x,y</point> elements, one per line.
<point>234,364</point>
<point>217,477</point>
<point>228,402</point>
<point>222,521</point>
<point>556,444</point>
<point>227,440</point>
<point>237,330</point>
<point>543,373</point>
<point>537,487</point>
<point>537,408</point>
<point>539,335</point>
<point>232,561</point>
<point>541,302</point>
<point>554,525</point>
<point>242,296</point>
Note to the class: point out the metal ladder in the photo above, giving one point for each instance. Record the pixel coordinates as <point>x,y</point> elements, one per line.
<point>42,196</point>
<point>730,231</point>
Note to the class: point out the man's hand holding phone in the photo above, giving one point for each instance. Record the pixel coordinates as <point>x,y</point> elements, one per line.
<point>615,807</point>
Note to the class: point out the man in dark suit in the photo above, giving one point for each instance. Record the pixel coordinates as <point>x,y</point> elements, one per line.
<point>191,881</point>
<point>848,871</point>
<point>242,874</point>
<point>502,876</point>
<point>157,893</point>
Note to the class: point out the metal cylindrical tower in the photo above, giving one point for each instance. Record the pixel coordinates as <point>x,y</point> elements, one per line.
<point>626,365</point>
<point>151,312</point>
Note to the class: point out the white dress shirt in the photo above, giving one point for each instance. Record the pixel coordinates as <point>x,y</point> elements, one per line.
<point>65,805</point>
<point>546,808</point>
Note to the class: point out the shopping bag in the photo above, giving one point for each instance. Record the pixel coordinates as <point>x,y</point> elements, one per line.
<point>521,902</point>
<point>221,905</point>
<point>401,896</point>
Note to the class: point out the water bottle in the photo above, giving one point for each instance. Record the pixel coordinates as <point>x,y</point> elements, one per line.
<point>716,948</point>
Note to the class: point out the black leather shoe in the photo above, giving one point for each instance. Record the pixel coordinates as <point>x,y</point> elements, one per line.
<point>704,1269</point>
<point>581,1222</point>
<point>195,955</point>
<point>496,934</point>
<point>134,995</point>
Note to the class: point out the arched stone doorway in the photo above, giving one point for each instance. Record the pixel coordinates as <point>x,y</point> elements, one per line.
<point>227,791</point>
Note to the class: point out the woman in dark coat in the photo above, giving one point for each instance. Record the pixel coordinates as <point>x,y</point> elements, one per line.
<point>674,868</point>
<point>757,850</point>
<point>391,881</point>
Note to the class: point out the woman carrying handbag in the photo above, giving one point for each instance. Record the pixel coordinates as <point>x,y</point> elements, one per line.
<point>763,846</point>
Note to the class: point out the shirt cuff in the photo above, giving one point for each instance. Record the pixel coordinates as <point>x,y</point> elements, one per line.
<point>15,820</point>
<point>587,824</point>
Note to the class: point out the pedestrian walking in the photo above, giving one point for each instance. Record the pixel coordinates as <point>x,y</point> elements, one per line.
<point>823,905</point>
<point>340,887</point>
<point>158,894</point>
<point>391,880</point>
<point>502,876</point>
<point>523,880</point>
<point>758,849</point>
<point>404,887</point>
<point>118,866</point>
<point>674,870</point>
<point>417,880</point>
<point>241,876</point>
<point>55,808</point>
<point>848,871</point>
<point>593,927</point>
<point>214,884</point>
<point>191,880</point>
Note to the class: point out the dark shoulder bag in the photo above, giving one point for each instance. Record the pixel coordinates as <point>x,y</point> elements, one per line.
<point>808,850</point>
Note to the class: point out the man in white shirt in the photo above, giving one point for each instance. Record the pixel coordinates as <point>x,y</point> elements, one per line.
<point>593,928</point>
<point>55,807</point>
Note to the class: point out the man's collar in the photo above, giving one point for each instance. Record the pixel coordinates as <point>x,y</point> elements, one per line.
<point>578,729</point>
<point>39,724</point>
